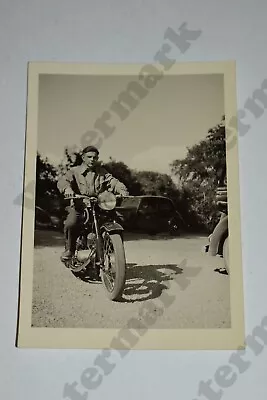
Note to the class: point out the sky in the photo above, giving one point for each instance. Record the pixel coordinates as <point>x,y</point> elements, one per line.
<point>177,113</point>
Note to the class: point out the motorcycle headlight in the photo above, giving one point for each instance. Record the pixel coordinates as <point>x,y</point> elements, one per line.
<point>107,201</point>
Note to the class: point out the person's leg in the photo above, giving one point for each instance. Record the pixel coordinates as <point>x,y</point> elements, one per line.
<point>71,230</point>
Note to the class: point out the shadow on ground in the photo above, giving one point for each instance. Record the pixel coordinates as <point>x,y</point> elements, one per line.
<point>88,276</point>
<point>145,282</point>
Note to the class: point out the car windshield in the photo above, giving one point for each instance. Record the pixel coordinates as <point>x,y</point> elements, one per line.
<point>155,204</point>
<point>129,202</point>
<point>165,205</point>
<point>147,204</point>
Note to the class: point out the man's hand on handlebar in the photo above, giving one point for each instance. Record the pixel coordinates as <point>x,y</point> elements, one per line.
<point>69,193</point>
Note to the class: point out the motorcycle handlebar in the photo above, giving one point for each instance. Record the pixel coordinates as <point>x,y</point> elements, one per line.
<point>78,196</point>
<point>84,196</point>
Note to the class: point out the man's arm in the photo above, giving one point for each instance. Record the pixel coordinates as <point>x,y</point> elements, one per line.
<point>64,182</point>
<point>114,184</point>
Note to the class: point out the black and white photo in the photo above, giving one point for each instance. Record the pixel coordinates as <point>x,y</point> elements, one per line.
<point>131,219</point>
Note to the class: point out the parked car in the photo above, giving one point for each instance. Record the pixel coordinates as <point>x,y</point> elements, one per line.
<point>218,241</point>
<point>150,214</point>
<point>44,220</point>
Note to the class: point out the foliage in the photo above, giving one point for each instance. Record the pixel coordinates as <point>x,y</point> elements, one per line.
<point>155,183</point>
<point>47,194</point>
<point>124,174</point>
<point>201,172</point>
<point>198,174</point>
<point>71,158</point>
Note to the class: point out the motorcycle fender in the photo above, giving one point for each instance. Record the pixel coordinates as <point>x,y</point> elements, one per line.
<point>216,236</point>
<point>111,227</point>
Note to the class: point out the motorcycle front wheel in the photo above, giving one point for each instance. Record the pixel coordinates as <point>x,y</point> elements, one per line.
<point>113,275</point>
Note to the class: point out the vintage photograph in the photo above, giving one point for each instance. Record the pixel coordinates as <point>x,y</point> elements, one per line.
<point>133,220</point>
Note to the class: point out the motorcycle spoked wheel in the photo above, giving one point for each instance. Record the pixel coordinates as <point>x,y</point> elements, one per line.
<point>113,275</point>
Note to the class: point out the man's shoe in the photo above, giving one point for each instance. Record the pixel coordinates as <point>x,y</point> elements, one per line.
<point>66,255</point>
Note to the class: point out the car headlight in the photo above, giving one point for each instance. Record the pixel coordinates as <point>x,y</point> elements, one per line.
<point>107,201</point>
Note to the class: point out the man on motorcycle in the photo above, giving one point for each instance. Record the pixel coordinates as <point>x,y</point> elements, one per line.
<point>89,179</point>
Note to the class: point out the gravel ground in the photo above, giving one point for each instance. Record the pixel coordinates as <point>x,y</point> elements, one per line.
<point>169,274</point>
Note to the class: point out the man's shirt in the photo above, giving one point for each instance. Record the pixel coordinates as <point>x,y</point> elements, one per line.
<point>83,180</point>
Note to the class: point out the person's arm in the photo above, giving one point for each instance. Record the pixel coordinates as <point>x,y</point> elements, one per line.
<point>114,184</point>
<point>65,181</point>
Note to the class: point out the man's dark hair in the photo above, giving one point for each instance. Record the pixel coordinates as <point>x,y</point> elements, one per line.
<point>90,148</point>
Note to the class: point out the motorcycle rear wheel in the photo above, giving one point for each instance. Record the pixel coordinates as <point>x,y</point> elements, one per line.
<point>114,278</point>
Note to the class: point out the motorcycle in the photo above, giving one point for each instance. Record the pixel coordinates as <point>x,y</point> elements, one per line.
<point>99,246</point>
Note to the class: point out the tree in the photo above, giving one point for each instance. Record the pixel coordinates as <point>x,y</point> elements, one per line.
<point>71,158</point>
<point>124,174</point>
<point>156,184</point>
<point>201,171</point>
<point>46,183</point>
<point>206,160</point>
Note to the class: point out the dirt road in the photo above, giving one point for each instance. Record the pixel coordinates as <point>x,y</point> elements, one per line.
<point>158,269</point>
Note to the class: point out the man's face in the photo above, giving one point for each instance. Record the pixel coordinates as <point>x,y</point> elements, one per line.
<point>90,158</point>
